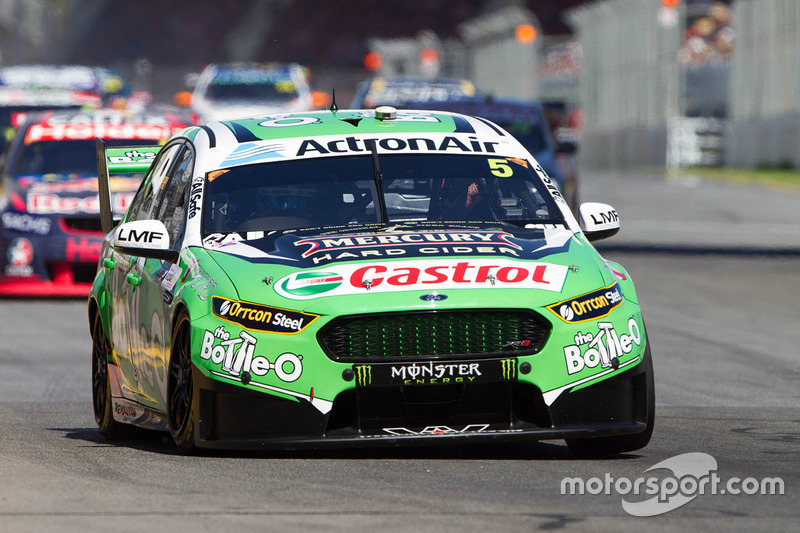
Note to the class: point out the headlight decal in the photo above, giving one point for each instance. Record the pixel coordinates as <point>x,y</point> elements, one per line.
<point>590,306</point>
<point>258,317</point>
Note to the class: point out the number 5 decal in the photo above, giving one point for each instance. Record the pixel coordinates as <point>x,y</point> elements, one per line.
<point>500,168</point>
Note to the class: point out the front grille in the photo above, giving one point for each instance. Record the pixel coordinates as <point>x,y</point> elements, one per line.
<point>83,223</point>
<point>434,334</point>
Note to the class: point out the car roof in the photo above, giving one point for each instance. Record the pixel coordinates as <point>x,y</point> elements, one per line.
<point>308,134</point>
<point>347,122</point>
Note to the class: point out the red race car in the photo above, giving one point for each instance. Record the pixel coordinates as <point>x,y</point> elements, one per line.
<point>50,235</point>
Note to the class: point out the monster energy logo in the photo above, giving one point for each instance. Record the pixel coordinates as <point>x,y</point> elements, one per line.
<point>509,369</point>
<point>363,375</point>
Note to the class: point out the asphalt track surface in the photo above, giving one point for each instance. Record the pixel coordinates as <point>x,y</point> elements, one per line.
<point>716,268</point>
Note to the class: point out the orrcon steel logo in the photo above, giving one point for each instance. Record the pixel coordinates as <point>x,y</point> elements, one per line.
<point>438,274</point>
<point>257,317</point>
<point>590,306</point>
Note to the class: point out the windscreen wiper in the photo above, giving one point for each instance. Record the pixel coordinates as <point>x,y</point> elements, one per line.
<point>373,147</point>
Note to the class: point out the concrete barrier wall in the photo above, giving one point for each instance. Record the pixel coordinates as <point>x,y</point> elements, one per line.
<point>625,147</point>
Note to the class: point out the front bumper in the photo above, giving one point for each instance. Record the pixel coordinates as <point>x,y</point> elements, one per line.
<point>232,417</point>
<point>63,263</point>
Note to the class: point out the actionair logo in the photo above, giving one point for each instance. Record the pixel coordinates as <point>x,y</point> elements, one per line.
<point>433,274</point>
<point>590,306</point>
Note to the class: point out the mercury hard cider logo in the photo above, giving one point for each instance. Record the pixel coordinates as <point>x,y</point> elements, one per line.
<point>261,318</point>
<point>437,274</point>
<point>590,306</point>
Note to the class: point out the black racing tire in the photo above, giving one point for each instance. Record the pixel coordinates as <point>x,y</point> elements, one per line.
<point>101,388</point>
<point>180,387</point>
<point>597,446</point>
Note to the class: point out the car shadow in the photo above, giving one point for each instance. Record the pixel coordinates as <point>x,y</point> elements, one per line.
<point>161,443</point>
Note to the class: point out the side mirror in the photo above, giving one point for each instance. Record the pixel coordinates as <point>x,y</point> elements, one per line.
<point>144,238</point>
<point>598,221</point>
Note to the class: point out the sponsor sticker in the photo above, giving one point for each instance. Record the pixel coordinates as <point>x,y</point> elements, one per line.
<point>432,431</point>
<point>49,204</point>
<point>236,356</point>
<point>590,306</point>
<point>439,274</point>
<point>602,347</point>
<point>404,239</point>
<point>258,317</point>
<point>60,132</point>
<point>83,249</point>
<point>20,257</point>
<point>26,223</point>
<point>436,372</point>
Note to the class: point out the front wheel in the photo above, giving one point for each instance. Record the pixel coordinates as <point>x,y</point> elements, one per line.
<point>101,389</point>
<point>180,392</point>
<point>594,446</point>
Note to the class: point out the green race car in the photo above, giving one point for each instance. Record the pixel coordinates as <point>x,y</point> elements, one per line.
<point>361,277</point>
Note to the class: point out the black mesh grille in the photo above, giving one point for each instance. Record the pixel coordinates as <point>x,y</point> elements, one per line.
<point>83,223</point>
<point>438,334</point>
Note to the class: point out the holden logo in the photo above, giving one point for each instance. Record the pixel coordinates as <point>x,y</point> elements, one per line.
<point>566,312</point>
<point>20,252</point>
<point>433,297</point>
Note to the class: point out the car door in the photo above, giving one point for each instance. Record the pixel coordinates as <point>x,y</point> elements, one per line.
<point>149,303</point>
<point>120,274</point>
<point>139,377</point>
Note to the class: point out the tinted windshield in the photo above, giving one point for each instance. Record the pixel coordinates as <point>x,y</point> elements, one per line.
<point>398,94</point>
<point>342,191</point>
<point>64,157</point>
<point>268,91</point>
<point>533,135</point>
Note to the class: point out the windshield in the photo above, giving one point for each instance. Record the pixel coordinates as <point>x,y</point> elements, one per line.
<point>398,94</point>
<point>279,90</point>
<point>342,191</point>
<point>531,134</point>
<point>65,157</point>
